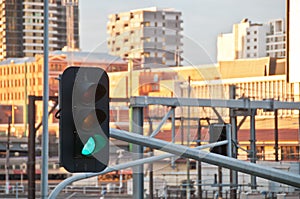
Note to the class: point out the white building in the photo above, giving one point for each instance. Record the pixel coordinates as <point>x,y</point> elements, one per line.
<point>150,35</point>
<point>252,40</point>
<point>275,39</point>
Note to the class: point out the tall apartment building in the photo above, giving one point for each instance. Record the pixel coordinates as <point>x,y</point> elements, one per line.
<point>150,35</point>
<point>276,38</point>
<point>22,22</point>
<point>252,40</point>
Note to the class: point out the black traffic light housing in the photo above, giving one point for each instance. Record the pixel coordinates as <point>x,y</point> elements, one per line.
<point>217,132</point>
<point>84,119</point>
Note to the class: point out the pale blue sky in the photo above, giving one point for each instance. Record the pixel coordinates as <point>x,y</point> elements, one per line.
<point>203,20</point>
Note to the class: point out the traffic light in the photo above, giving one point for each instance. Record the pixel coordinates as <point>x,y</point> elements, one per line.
<point>217,132</point>
<point>84,119</point>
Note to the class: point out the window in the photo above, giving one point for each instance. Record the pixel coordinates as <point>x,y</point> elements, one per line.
<point>255,47</point>
<point>289,152</point>
<point>255,32</point>
<point>248,47</point>
<point>255,39</point>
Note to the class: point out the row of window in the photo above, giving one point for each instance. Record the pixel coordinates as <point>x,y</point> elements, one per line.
<point>276,54</point>
<point>12,96</point>
<point>159,16</point>
<point>268,40</point>
<point>13,70</point>
<point>286,153</point>
<point>12,83</point>
<point>254,32</point>
<point>275,47</point>
<point>249,47</point>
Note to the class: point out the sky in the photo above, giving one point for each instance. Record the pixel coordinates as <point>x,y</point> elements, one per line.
<point>203,20</point>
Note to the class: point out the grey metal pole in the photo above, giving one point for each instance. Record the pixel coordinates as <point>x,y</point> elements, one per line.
<point>188,190</point>
<point>138,171</point>
<point>45,137</point>
<point>173,134</point>
<point>31,148</point>
<point>151,159</point>
<point>7,156</point>
<point>151,188</point>
<point>210,158</point>
<point>276,135</point>
<point>233,122</point>
<point>253,145</point>
<point>199,166</point>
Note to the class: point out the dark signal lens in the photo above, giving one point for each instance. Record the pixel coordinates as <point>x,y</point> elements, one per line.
<point>93,119</point>
<point>93,94</point>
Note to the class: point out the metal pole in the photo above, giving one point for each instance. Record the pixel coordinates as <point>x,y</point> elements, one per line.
<point>199,167</point>
<point>25,101</point>
<point>173,134</point>
<point>31,148</point>
<point>253,145</point>
<point>188,191</point>
<point>276,147</point>
<point>7,157</point>
<point>151,188</point>
<point>138,171</point>
<point>45,136</point>
<point>182,131</point>
<point>210,158</point>
<point>233,122</point>
<point>116,133</point>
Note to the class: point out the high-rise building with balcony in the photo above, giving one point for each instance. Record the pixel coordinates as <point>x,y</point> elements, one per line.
<point>150,35</point>
<point>253,40</point>
<point>276,39</point>
<point>22,24</point>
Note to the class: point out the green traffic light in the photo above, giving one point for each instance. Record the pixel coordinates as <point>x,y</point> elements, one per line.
<point>93,145</point>
<point>89,147</point>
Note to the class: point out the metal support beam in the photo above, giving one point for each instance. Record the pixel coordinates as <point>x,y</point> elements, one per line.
<point>165,118</point>
<point>143,101</point>
<point>7,155</point>
<point>151,182</point>
<point>74,178</point>
<point>173,133</point>
<point>276,147</point>
<point>220,119</point>
<point>210,158</point>
<point>253,145</point>
<point>136,127</point>
<point>199,166</point>
<point>31,141</point>
<point>233,122</point>
<point>31,148</point>
<point>241,122</point>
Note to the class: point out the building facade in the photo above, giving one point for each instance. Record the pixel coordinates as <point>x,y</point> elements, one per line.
<point>150,35</point>
<point>22,24</point>
<point>276,39</point>
<point>21,77</point>
<point>252,40</point>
